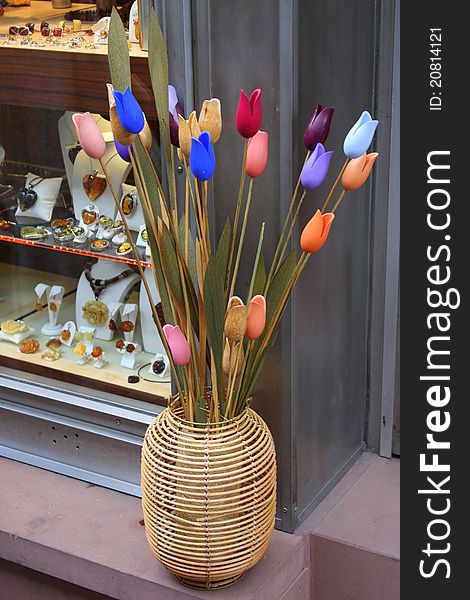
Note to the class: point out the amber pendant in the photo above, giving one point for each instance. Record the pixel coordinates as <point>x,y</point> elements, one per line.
<point>94,185</point>
<point>129,204</point>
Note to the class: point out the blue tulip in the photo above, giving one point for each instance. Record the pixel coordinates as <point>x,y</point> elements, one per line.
<point>123,151</point>
<point>201,157</point>
<point>129,112</point>
<point>316,168</point>
<point>360,136</point>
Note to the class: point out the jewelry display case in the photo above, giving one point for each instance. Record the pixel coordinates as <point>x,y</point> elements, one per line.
<point>70,301</point>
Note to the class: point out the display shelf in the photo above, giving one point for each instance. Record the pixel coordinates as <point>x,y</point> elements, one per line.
<point>58,77</point>
<point>112,377</point>
<point>80,250</point>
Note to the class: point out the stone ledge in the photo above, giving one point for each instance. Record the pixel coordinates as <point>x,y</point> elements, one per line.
<point>93,538</point>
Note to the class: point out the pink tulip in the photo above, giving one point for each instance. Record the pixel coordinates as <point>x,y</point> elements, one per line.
<point>256,317</point>
<point>89,135</point>
<point>257,154</point>
<point>178,344</point>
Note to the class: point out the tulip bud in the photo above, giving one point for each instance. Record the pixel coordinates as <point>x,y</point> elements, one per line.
<point>146,136</point>
<point>249,113</point>
<point>316,232</point>
<point>360,136</point>
<point>210,118</point>
<point>178,344</point>
<point>235,320</point>
<point>233,354</point>
<point>174,110</point>
<point>257,154</point>
<point>357,171</point>
<point>316,168</point>
<point>201,158</point>
<point>256,317</point>
<point>89,135</point>
<point>129,112</point>
<point>123,137</point>
<point>318,127</point>
<point>187,130</point>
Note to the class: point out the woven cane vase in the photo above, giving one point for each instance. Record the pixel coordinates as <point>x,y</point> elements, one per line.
<point>208,495</point>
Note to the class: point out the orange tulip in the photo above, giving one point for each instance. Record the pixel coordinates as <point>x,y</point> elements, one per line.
<point>316,231</point>
<point>357,171</point>
<point>188,129</point>
<point>256,317</point>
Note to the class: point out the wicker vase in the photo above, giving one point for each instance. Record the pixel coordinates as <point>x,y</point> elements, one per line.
<point>209,495</point>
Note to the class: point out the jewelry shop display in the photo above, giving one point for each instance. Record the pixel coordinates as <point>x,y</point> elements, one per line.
<point>29,346</point>
<point>11,327</point>
<point>95,312</point>
<point>94,185</point>
<point>99,245</point>
<point>129,203</point>
<point>124,248</point>
<point>126,326</point>
<point>51,354</point>
<point>34,233</point>
<point>53,343</point>
<point>27,197</point>
<point>98,285</point>
<point>89,216</point>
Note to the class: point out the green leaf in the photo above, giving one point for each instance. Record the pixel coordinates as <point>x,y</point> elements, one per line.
<point>214,303</point>
<point>255,266</point>
<point>170,262</point>
<point>191,251</point>
<point>148,177</point>
<point>278,286</point>
<point>158,67</point>
<point>159,276</point>
<point>118,53</point>
<point>223,249</point>
<point>260,278</point>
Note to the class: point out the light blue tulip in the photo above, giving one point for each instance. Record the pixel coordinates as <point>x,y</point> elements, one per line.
<point>360,136</point>
<point>129,112</point>
<point>201,157</point>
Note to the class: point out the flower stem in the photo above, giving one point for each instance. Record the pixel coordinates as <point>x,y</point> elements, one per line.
<point>338,202</point>
<point>242,238</point>
<point>275,260</point>
<point>144,281</point>
<point>237,213</point>
<point>335,185</point>
<point>289,235</point>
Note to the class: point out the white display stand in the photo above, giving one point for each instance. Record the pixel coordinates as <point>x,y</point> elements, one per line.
<point>54,295</point>
<point>68,137</point>
<point>129,312</point>
<point>136,220</point>
<point>69,326</point>
<point>116,292</point>
<point>16,338</point>
<point>116,168</point>
<point>150,336</point>
<point>129,359</point>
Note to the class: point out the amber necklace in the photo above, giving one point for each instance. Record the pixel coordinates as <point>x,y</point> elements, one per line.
<point>98,285</point>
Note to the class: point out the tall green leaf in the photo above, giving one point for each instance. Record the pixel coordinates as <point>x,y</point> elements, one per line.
<point>158,67</point>
<point>223,249</point>
<point>118,53</point>
<point>214,304</point>
<point>148,177</point>
<point>278,286</point>
<point>170,264</point>
<point>191,250</point>
<point>260,278</point>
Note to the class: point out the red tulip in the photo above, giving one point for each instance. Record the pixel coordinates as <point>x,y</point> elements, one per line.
<point>257,154</point>
<point>256,317</point>
<point>357,171</point>
<point>249,113</point>
<point>316,232</point>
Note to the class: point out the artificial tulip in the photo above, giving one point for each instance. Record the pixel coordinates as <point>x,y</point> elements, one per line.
<point>233,354</point>
<point>316,168</point>
<point>235,319</point>
<point>201,158</point>
<point>146,136</point>
<point>121,135</point>
<point>129,112</point>
<point>256,317</point>
<point>318,127</point>
<point>174,110</point>
<point>123,151</point>
<point>187,130</point>
<point>249,113</point>
<point>357,171</point>
<point>360,136</point>
<point>210,118</point>
<point>316,232</point>
<point>89,135</point>
<point>179,346</point>
<point>257,154</point>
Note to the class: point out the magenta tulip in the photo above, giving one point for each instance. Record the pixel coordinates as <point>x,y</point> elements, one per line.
<point>249,113</point>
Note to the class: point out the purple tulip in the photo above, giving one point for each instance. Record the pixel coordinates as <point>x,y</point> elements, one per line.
<point>174,109</point>
<point>318,127</point>
<point>315,169</point>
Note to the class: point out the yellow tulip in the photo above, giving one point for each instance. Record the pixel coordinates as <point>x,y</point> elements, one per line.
<point>210,118</point>
<point>188,129</point>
